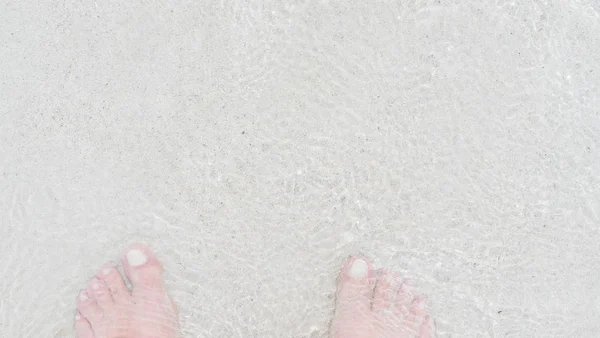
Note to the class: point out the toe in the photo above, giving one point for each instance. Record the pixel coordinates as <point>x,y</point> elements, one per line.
<point>143,269</point>
<point>100,293</point>
<point>417,313</point>
<point>82,327</point>
<point>89,309</point>
<point>428,328</point>
<point>404,299</point>
<point>355,286</point>
<point>385,291</point>
<point>114,281</point>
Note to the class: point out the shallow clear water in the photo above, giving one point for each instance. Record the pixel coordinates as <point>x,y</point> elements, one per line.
<point>256,146</point>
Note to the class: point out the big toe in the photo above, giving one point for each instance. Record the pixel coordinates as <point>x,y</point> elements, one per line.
<point>355,285</point>
<point>143,269</point>
<point>149,293</point>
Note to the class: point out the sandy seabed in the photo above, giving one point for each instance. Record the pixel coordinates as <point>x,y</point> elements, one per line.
<point>254,146</point>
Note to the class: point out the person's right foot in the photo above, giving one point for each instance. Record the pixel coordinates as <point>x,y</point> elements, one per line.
<point>108,309</point>
<point>382,306</point>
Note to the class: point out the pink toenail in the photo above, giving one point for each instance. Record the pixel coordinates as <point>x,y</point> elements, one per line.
<point>83,297</point>
<point>77,317</point>
<point>106,271</point>
<point>421,304</point>
<point>95,285</point>
<point>136,258</point>
<point>409,282</point>
<point>359,269</point>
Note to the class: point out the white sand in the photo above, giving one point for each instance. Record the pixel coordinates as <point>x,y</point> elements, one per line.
<point>255,147</point>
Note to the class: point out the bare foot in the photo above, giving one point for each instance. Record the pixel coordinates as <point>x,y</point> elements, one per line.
<point>381,306</point>
<point>108,309</point>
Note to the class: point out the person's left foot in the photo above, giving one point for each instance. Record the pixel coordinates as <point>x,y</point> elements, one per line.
<point>109,309</point>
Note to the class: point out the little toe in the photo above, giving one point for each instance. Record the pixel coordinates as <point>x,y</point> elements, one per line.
<point>355,286</point>
<point>99,291</point>
<point>417,314</point>
<point>89,309</point>
<point>427,328</point>
<point>82,327</point>
<point>143,269</point>
<point>385,290</point>
<point>114,281</point>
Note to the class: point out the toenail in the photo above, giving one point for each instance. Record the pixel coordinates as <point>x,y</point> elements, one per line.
<point>83,297</point>
<point>430,322</point>
<point>106,271</point>
<point>391,279</point>
<point>409,282</point>
<point>359,269</point>
<point>96,285</point>
<point>421,304</point>
<point>77,316</point>
<point>136,258</point>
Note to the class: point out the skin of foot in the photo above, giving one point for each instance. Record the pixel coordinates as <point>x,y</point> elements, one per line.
<point>367,306</point>
<point>109,309</point>
<point>379,304</point>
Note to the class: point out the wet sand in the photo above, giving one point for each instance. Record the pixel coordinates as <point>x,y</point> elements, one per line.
<point>255,146</point>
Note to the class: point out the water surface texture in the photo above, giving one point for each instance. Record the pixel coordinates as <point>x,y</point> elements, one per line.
<point>254,146</point>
